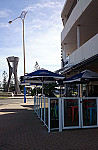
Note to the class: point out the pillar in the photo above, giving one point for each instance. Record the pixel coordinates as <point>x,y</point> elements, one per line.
<point>78,36</point>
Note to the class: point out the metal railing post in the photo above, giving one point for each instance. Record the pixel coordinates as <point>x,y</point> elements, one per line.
<point>37,105</point>
<point>44,112</point>
<point>97,110</point>
<point>60,115</point>
<point>41,108</point>
<point>80,112</point>
<point>62,112</point>
<point>48,114</point>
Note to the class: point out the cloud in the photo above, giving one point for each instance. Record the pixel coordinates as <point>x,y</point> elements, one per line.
<point>4,13</point>
<point>4,25</point>
<point>44,5</point>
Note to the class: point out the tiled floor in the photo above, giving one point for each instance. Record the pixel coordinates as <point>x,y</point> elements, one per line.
<point>20,129</point>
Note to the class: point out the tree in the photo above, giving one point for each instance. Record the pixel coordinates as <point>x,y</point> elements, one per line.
<point>49,89</point>
<point>0,86</point>
<point>4,80</point>
<point>33,91</point>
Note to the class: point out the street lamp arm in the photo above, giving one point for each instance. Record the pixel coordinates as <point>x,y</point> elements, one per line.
<point>13,20</point>
<point>22,16</point>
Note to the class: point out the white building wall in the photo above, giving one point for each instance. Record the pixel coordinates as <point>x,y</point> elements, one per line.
<point>87,50</point>
<point>76,13</point>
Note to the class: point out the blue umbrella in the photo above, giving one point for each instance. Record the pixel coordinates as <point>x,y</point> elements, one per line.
<point>42,76</point>
<point>84,76</point>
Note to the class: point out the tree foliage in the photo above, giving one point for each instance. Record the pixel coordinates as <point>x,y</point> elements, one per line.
<point>4,83</point>
<point>48,90</point>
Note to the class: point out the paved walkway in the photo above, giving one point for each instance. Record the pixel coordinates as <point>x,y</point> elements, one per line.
<point>20,129</point>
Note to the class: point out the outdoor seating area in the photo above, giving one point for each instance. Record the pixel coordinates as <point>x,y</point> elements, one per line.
<point>67,112</point>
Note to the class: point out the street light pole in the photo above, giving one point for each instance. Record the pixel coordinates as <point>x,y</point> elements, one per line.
<point>23,46</point>
<point>22,16</point>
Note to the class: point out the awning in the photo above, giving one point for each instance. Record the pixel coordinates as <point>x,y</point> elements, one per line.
<point>84,76</point>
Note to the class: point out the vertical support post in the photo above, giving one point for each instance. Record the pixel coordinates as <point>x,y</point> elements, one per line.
<point>78,36</point>
<point>81,112</point>
<point>64,50</point>
<point>60,91</point>
<point>23,45</point>
<point>24,94</point>
<point>36,90</point>
<point>79,107</point>
<point>60,115</point>
<point>78,90</point>
<point>44,112</point>
<point>24,59</point>
<point>63,112</point>
<point>42,88</point>
<point>37,105</point>
<point>41,108</point>
<point>48,114</point>
<point>97,110</point>
<point>65,89</point>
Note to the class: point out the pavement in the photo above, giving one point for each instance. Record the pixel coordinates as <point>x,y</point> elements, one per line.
<point>20,129</point>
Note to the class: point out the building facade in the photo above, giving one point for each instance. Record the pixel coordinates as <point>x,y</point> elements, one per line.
<point>79,37</point>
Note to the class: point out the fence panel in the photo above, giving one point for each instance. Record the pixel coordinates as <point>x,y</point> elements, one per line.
<point>67,112</point>
<point>71,112</point>
<point>54,113</point>
<point>89,111</point>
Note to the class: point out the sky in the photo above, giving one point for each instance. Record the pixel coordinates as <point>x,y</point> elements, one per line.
<point>43,28</point>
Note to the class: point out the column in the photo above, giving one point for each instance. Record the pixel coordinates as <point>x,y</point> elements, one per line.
<point>78,36</point>
<point>64,50</point>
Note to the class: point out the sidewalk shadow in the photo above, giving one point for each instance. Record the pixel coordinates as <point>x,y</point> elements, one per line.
<point>29,106</point>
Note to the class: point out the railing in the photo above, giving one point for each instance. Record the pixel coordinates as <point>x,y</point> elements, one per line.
<point>67,112</point>
<point>41,106</point>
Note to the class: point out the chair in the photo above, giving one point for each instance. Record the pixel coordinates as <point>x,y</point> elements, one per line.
<point>91,110</point>
<point>74,108</point>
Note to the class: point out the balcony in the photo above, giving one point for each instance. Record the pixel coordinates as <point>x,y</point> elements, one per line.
<point>87,50</point>
<point>73,19</point>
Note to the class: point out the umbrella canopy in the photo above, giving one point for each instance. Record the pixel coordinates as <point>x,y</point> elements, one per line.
<point>84,76</point>
<point>42,76</point>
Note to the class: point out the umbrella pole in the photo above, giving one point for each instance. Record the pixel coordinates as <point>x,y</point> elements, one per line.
<point>60,90</point>
<point>36,90</point>
<point>78,90</point>
<point>42,88</point>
